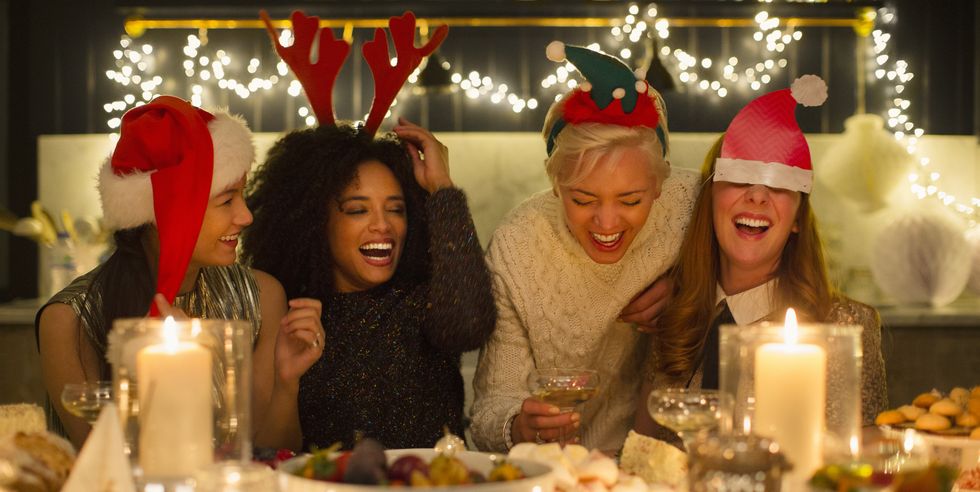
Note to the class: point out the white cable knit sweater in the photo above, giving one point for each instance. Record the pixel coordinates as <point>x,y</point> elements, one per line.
<point>558,308</point>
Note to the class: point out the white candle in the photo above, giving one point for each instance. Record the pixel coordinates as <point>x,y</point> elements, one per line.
<point>790,396</point>
<point>175,406</point>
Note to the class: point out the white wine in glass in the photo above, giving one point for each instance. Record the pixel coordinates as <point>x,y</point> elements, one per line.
<point>686,411</point>
<point>85,400</point>
<point>564,388</point>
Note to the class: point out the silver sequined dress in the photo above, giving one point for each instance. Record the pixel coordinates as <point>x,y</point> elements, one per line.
<point>228,292</point>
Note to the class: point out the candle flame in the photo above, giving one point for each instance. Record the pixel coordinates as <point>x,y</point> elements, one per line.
<point>195,327</point>
<point>170,332</point>
<point>791,331</point>
<point>855,446</point>
<point>747,425</point>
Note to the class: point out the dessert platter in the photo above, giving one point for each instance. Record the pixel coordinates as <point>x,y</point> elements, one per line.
<point>948,422</point>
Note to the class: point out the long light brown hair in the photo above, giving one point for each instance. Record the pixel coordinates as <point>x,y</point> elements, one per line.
<point>801,280</point>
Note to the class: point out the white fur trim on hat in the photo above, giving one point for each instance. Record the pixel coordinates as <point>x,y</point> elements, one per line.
<point>234,151</point>
<point>771,174</point>
<point>127,201</point>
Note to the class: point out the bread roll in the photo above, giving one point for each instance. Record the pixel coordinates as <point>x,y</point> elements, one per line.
<point>32,459</point>
<point>959,395</point>
<point>975,392</point>
<point>946,408</point>
<point>890,417</point>
<point>932,422</point>
<point>973,405</point>
<point>975,434</point>
<point>911,412</point>
<point>967,419</point>
<point>925,400</point>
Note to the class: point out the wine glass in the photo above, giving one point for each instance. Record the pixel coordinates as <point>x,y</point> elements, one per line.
<point>564,388</point>
<point>85,400</point>
<point>686,411</point>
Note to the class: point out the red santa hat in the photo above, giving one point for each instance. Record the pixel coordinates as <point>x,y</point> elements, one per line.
<point>764,144</point>
<point>171,158</point>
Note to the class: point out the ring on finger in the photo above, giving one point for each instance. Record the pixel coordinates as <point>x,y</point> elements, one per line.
<point>537,437</point>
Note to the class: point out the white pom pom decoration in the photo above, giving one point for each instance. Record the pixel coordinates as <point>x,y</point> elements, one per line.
<point>585,86</point>
<point>920,258</point>
<point>867,165</point>
<point>555,51</point>
<point>618,93</point>
<point>973,240</point>
<point>641,86</point>
<point>809,90</point>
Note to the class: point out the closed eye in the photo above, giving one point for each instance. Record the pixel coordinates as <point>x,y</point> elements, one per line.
<point>582,203</point>
<point>632,204</point>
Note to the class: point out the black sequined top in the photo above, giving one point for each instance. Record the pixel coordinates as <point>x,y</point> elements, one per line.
<point>390,367</point>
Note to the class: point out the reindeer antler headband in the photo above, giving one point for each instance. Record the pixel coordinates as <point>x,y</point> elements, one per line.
<point>318,78</point>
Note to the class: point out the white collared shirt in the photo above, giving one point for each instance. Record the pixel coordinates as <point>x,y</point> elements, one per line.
<point>748,306</point>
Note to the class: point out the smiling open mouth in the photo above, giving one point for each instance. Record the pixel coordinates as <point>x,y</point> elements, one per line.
<point>752,226</point>
<point>378,254</point>
<point>606,242</point>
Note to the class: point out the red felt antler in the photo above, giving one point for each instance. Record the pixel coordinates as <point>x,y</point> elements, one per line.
<point>388,80</point>
<point>317,78</point>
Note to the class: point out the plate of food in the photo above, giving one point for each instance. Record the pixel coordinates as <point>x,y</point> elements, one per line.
<point>370,468</point>
<point>949,423</point>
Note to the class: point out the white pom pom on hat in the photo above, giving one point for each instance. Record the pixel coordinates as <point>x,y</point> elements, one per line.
<point>555,51</point>
<point>809,90</point>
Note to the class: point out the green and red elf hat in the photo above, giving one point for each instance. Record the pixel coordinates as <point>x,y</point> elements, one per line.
<point>764,144</point>
<point>611,95</point>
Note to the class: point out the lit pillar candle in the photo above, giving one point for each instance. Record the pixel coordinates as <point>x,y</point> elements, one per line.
<point>175,406</point>
<point>790,396</point>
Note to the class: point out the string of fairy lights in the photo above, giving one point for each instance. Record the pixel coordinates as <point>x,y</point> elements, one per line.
<point>894,73</point>
<point>693,72</point>
<point>209,71</point>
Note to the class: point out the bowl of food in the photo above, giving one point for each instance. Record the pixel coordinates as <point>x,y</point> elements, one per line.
<point>375,469</point>
<point>949,423</point>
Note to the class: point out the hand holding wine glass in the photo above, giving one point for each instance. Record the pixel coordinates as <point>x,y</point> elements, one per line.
<point>85,400</point>
<point>561,389</point>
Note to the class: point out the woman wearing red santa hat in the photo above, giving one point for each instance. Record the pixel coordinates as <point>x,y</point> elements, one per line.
<point>172,190</point>
<point>751,251</point>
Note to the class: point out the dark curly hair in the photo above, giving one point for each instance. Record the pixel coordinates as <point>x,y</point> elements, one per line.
<point>305,172</point>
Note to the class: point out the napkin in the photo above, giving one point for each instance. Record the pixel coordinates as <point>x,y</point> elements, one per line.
<point>102,465</point>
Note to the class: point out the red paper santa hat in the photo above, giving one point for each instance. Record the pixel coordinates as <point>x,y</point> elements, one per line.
<point>764,144</point>
<point>170,159</point>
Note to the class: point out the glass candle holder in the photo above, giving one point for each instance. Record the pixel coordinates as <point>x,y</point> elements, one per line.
<point>184,393</point>
<point>800,387</point>
<point>727,462</point>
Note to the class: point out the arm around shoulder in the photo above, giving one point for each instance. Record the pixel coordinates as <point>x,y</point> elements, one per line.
<point>460,296</point>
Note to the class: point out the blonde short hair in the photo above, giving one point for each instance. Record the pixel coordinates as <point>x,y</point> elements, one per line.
<point>578,148</point>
